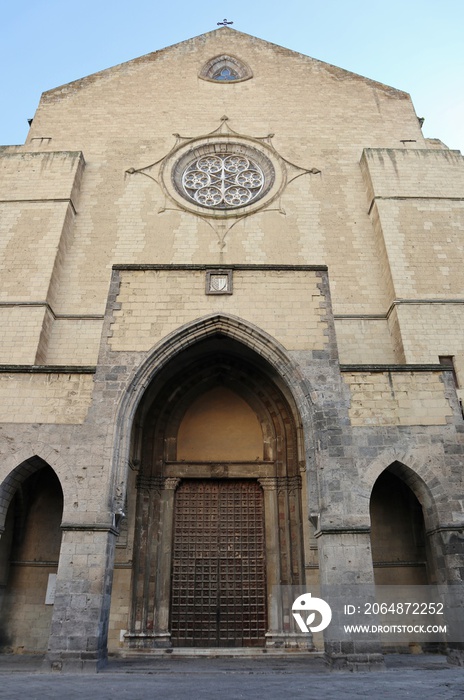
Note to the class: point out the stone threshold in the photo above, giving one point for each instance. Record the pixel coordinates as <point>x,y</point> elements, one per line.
<point>185,652</point>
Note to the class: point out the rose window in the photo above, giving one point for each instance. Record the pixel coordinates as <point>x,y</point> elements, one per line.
<point>223,181</point>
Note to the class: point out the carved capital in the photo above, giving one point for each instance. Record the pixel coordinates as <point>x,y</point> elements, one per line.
<point>268,483</point>
<point>171,483</point>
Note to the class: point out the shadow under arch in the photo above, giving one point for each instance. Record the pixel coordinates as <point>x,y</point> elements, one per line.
<point>31,498</point>
<point>14,480</point>
<point>202,385</point>
<point>419,488</point>
<point>401,551</point>
<point>292,383</point>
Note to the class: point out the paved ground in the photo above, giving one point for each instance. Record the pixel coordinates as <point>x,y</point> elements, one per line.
<point>407,677</point>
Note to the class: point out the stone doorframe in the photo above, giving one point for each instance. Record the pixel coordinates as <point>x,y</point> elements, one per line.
<point>151,596</point>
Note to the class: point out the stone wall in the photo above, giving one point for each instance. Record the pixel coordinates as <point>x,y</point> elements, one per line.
<point>59,397</point>
<point>155,302</point>
<point>397,398</point>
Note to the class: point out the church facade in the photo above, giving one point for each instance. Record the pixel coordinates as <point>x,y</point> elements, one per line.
<point>231,359</point>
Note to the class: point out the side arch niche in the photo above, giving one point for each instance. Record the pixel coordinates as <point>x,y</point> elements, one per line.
<point>216,502</point>
<point>401,551</point>
<point>398,536</point>
<point>29,555</point>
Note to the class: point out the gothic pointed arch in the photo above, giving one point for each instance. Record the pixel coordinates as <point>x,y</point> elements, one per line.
<point>420,473</point>
<point>216,485</point>
<point>226,69</point>
<point>16,477</point>
<point>246,335</point>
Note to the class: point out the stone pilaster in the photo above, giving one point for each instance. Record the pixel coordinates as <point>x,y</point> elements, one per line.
<point>271,518</point>
<point>447,544</point>
<point>345,562</point>
<point>161,631</point>
<point>149,489</point>
<point>79,630</point>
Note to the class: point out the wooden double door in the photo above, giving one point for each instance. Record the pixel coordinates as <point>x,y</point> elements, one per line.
<point>218,590</point>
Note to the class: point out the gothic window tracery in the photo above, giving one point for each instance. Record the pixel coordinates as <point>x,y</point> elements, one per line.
<point>223,175</point>
<point>226,74</point>
<point>225,68</point>
<point>223,181</point>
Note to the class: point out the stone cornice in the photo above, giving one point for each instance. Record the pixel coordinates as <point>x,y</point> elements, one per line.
<point>48,369</point>
<point>395,368</point>
<point>446,528</point>
<point>340,530</point>
<point>89,527</point>
<point>283,268</point>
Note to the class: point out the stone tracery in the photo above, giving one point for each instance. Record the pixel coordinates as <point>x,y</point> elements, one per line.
<point>223,181</point>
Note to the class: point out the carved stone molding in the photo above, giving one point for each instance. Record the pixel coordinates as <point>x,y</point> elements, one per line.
<point>289,484</point>
<point>268,483</point>
<point>282,484</point>
<point>150,483</point>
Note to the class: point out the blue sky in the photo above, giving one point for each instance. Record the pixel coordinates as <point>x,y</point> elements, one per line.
<point>416,46</point>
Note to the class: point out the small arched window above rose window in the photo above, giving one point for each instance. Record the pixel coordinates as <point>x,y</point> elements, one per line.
<point>225,69</point>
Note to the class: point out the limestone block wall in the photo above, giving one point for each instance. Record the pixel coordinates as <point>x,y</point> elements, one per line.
<point>38,199</point>
<point>364,341</point>
<point>287,304</point>
<point>319,219</point>
<point>120,606</point>
<point>74,341</point>
<point>22,327</point>
<point>413,173</point>
<point>29,619</point>
<point>416,199</point>
<point>127,218</point>
<point>397,398</point>
<point>433,330</point>
<point>424,243</point>
<point>37,192</point>
<point>276,70</point>
<point>416,202</point>
<point>44,397</point>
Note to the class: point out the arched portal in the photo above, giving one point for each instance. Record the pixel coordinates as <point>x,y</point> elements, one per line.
<point>29,553</point>
<point>218,501</point>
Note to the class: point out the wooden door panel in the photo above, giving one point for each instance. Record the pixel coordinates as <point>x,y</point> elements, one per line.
<point>218,579</point>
